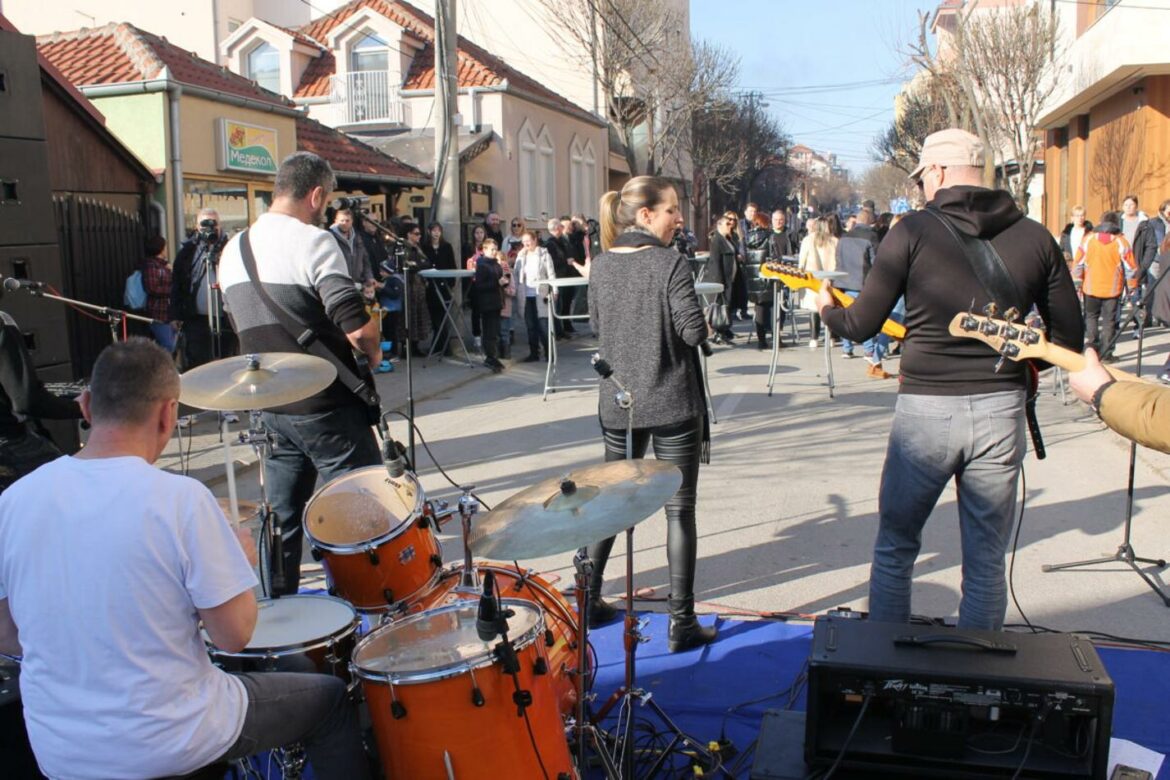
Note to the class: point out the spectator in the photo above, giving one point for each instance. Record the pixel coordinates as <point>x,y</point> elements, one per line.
<point>759,288</point>
<point>721,269</point>
<point>781,246</point>
<point>440,255</point>
<point>478,235</point>
<point>194,293</point>
<point>855,253</point>
<point>354,249</point>
<point>1104,269</point>
<point>1074,234</point>
<point>420,318</point>
<point>156,280</point>
<point>739,291</point>
<point>818,252</point>
<point>491,227</point>
<point>533,266</point>
<point>1130,218</point>
<point>1160,305</point>
<point>560,249</point>
<point>489,289</point>
<point>510,245</point>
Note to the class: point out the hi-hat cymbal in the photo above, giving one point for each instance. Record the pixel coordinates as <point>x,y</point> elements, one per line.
<point>261,381</point>
<point>582,507</point>
<point>247,508</point>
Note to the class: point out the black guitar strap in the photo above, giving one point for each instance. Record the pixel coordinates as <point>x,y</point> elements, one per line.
<point>304,336</point>
<point>993,275</point>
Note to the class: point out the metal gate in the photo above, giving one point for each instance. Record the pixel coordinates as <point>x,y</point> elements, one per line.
<point>100,246</point>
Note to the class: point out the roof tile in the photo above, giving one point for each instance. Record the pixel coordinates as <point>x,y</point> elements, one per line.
<point>348,155</point>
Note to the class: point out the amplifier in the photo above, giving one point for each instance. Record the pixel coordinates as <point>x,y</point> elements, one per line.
<point>939,701</point>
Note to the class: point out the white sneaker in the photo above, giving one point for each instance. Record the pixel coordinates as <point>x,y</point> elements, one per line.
<point>231,417</point>
<point>477,344</point>
<point>187,421</point>
<point>812,344</point>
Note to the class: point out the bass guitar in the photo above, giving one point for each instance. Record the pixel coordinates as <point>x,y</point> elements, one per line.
<point>796,279</point>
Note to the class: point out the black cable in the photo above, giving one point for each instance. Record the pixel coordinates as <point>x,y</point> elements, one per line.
<point>1015,545</point>
<point>431,455</point>
<point>849,737</point>
<point>1092,634</point>
<point>531,736</point>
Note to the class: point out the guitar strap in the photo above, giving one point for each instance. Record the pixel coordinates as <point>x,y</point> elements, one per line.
<point>305,337</point>
<point>993,275</point>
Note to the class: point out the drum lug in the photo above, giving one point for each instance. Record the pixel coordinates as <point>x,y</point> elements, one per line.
<point>332,591</point>
<point>388,595</point>
<point>437,561</point>
<point>424,522</point>
<point>397,711</point>
<point>370,551</point>
<point>270,662</point>
<point>549,638</point>
<point>477,697</point>
<point>540,667</point>
<point>317,555</point>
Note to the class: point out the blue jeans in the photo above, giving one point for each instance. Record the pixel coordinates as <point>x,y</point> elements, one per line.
<point>537,327</point>
<point>328,443</point>
<point>314,710</point>
<point>874,348</point>
<point>979,441</point>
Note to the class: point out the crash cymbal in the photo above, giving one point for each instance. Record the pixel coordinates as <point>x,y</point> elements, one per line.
<point>584,506</point>
<point>247,508</point>
<point>261,381</point>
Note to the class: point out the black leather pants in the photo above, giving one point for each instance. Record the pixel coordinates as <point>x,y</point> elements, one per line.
<point>679,443</point>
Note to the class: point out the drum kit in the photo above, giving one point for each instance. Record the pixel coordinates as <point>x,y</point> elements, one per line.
<point>475,669</point>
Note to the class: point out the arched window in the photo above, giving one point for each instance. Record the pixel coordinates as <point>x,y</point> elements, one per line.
<point>264,67</point>
<point>546,161</point>
<point>369,53</point>
<point>583,178</point>
<point>529,172</point>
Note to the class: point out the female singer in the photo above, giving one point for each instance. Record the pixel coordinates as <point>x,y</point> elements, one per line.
<point>642,303</point>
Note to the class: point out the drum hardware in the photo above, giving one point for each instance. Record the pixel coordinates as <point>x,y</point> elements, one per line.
<point>584,727</point>
<point>468,508</point>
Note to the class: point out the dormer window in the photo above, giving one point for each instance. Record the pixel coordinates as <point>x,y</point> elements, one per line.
<point>264,67</point>
<point>370,53</point>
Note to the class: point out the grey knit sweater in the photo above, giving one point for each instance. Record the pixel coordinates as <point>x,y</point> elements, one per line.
<point>649,321</point>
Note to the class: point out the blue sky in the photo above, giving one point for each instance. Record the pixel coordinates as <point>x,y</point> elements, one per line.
<point>790,49</point>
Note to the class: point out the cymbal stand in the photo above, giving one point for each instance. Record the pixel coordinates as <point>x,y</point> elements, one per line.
<point>468,507</point>
<point>260,440</point>
<point>584,727</point>
<point>627,694</point>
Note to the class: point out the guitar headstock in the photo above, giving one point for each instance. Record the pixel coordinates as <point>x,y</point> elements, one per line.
<point>1011,339</point>
<point>777,270</point>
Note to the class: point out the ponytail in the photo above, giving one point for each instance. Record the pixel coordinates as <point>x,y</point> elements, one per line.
<point>610,202</point>
<point>619,211</point>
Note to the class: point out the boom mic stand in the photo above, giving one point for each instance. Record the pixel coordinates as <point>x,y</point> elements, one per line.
<point>1125,552</point>
<point>114,317</point>
<point>634,626</point>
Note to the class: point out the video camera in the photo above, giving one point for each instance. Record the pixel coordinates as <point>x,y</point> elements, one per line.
<point>355,203</point>
<point>208,231</point>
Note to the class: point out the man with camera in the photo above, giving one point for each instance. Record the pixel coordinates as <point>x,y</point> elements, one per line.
<point>289,290</point>
<point>196,307</point>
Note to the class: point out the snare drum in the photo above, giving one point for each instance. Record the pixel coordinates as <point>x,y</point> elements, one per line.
<point>442,707</point>
<point>559,616</point>
<point>374,538</point>
<point>296,634</point>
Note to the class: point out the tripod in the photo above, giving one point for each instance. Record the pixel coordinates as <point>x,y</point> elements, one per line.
<point>1125,552</point>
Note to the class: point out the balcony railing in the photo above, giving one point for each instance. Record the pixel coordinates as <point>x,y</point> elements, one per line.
<point>368,96</point>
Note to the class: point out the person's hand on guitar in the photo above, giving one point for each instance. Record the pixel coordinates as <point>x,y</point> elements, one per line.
<point>1088,380</point>
<point>825,298</point>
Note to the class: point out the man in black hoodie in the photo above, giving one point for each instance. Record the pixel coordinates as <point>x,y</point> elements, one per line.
<point>956,416</point>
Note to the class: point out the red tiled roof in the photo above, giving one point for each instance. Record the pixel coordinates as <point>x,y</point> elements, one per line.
<point>348,155</point>
<point>120,52</point>
<point>477,66</point>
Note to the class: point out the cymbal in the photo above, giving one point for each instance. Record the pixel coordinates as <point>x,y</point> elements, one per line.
<point>571,511</point>
<point>261,381</point>
<point>247,508</point>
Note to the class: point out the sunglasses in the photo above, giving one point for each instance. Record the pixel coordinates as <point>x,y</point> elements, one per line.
<point>517,224</point>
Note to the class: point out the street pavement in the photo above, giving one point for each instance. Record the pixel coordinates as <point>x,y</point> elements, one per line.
<point>788,506</point>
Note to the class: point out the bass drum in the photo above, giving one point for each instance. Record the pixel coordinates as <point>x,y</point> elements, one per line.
<point>560,618</point>
<point>296,634</point>
<point>441,703</point>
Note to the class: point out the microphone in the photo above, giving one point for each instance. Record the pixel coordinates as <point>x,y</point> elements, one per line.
<point>601,366</point>
<point>12,284</point>
<point>391,453</point>
<point>487,616</point>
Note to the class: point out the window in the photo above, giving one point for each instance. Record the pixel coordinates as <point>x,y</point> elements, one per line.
<point>529,182</point>
<point>537,161</point>
<point>369,53</point>
<point>369,89</point>
<point>583,196</point>
<point>264,67</point>
<point>547,165</point>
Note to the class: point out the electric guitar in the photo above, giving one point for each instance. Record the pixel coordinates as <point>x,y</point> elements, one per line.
<point>795,279</point>
<point>1018,341</point>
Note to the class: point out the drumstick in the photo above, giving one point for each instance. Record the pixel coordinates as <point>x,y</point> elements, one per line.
<point>231,475</point>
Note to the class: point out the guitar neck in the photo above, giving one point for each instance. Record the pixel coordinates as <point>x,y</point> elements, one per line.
<point>1075,361</point>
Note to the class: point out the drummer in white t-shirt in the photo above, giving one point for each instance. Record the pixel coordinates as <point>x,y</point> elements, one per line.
<point>107,567</point>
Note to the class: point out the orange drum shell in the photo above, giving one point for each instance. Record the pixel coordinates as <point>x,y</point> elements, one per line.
<point>407,565</point>
<point>484,743</point>
<point>559,617</point>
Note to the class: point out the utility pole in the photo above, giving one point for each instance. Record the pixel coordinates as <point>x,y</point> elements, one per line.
<point>446,198</point>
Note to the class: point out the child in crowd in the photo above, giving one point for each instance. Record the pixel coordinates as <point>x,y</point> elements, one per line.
<point>488,290</point>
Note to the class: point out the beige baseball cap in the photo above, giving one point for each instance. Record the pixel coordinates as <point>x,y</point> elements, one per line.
<point>950,147</point>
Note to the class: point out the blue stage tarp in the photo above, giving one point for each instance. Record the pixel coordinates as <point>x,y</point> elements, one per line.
<point>754,659</point>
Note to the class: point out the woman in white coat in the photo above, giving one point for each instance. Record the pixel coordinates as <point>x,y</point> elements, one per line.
<point>533,266</point>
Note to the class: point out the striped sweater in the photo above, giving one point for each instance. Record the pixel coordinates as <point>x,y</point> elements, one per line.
<point>303,269</point>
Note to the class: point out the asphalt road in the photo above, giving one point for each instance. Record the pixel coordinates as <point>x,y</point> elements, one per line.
<point>788,506</point>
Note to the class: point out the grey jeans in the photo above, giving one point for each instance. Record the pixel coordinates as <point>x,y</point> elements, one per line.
<point>313,710</point>
<point>979,441</point>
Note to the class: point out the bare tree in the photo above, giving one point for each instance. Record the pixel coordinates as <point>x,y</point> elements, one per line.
<point>1004,60</point>
<point>1119,165</point>
<point>884,183</point>
<point>922,112</point>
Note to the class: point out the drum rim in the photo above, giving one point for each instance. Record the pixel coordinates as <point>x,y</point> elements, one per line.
<point>402,602</point>
<point>456,567</point>
<point>280,651</point>
<point>377,541</point>
<point>458,669</point>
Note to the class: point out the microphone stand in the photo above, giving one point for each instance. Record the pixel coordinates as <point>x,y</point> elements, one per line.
<point>1125,553</point>
<point>210,268</point>
<point>114,317</point>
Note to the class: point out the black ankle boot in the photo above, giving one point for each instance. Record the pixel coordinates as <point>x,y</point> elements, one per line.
<point>685,632</point>
<point>761,337</point>
<point>599,612</point>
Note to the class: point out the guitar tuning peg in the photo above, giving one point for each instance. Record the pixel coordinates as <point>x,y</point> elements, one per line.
<point>1012,314</point>
<point>991,309</point>
<point>971,308</point>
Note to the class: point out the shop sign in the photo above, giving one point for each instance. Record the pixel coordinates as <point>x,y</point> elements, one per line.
<point>246,148</point>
